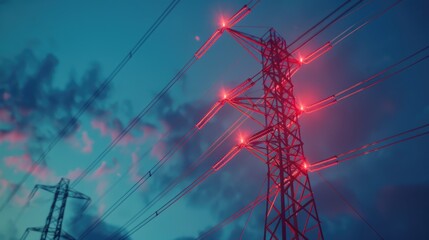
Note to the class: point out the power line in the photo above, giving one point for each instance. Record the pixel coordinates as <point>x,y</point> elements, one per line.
<point>231,22</point>
<point>189,170</point>
<point>136,185</point>
<point>168,204</point>
<point>249,207</point>
<point>135,120</point>
<point>377,145</point>
<point>72,122</point>
<point>369,82</point>
<point>332,187</point>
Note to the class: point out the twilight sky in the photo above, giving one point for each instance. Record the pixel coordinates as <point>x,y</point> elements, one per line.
<point>54,54</point>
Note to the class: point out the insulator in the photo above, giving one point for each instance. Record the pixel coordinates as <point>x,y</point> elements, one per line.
<point>238,16</point>
<point>319,52</point>
<point>230,155</point>
<point>216,107</point>
<point>203,49</point>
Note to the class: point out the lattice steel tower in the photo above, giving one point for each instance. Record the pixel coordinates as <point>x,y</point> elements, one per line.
<point>53,225</point>
<point>293,210</point>
<point>290,207</point>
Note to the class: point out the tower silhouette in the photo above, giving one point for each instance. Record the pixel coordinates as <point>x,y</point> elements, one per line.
<point>53,224</point>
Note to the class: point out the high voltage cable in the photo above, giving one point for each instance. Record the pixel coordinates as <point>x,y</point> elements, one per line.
<point>367,83</point>
<point>362,218</point>
<point>328,25</point>
<point>135,120</point>
<point>377,145</point>
<point>347,11</point>
<point>72,122</point>
<point>349,30</point>
<point>168,204</point>
<point>141,114</point>
<point>136,185</point>
<point>260,199</point>
<point>249,207</point>
<point>251,210</point>
<point>117,181</point>
<point>149,106</point>
<point>189,170</point>
<point>159,164</point>
<point>337,39</point>
<point>320,22</point>
<point>193,185</point>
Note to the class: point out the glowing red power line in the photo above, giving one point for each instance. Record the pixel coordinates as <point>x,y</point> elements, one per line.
<point>369,82</point>
<point>371,147</point>
<point>225,24</point>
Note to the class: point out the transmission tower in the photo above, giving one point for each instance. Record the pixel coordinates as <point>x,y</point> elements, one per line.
<point>290,207</point>
<point>294,211</point>
<point>53,224</point>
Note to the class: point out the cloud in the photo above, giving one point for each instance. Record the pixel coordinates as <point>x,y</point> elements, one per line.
<point>80,222</point>
<point>13,137</point>
<point>3,186</point>
<point>84,143</point>
<point>224,192</point>
<point>87,148</point>
<point>105,169</point>
<point>74,174</point>
<point>113,127</point>
<point>30,96</point>
<point>101,187</point>
<point>24,163</point>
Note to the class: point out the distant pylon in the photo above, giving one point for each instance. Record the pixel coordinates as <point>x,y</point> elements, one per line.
<point>53,225</point>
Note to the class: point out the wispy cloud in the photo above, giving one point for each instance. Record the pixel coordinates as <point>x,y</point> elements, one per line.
<point>24,163</point>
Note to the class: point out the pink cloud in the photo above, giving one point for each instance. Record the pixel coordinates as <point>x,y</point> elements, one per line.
<point>84,145</point>
<point>4,184</point>
<point>24,163</point>
<point>101,188</point>
<point>101,126</point>
<point>104,169</point>
<point>150,132</point>
<point>134,170</point>
<point>12,137</point>
<point>87,148</point>
<point>5,115</point>
<point>74,174</point>
<point>113,132</point>
<point>134,167</point>
<point>101,208</point>
<point>158,150</point>
<point>22,198</point>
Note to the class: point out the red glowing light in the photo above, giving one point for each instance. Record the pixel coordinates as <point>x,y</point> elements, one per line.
<point>305,166</point>
<point>222,21</point>
<point>301,60</point>
<point>301,108</point>
<point>242,138</point>
<point>224,94</point>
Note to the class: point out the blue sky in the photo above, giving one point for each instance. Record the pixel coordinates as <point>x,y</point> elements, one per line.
<point>53,55</point>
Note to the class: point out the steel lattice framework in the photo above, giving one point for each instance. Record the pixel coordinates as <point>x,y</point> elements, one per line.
<point>53,224</point>
<point>293,210</point>
<point>290,206</point>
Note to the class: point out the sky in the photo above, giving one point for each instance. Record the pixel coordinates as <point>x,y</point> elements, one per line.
<point>55,54</point>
